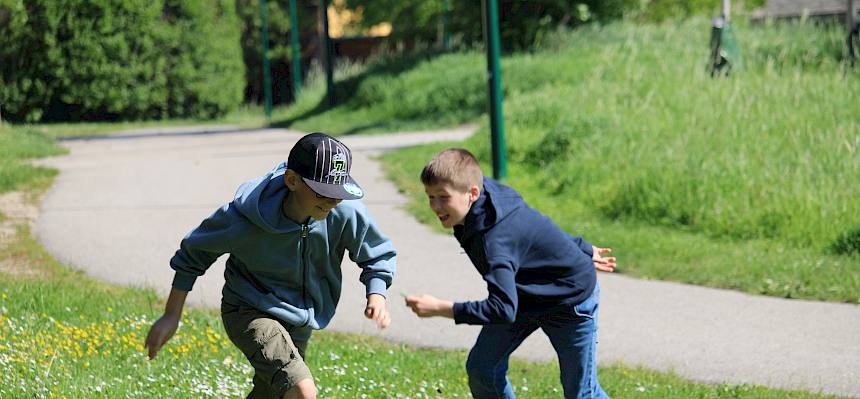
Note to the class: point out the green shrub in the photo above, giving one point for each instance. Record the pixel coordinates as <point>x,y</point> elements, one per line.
<point>848,243</point>
<point>70,60</point>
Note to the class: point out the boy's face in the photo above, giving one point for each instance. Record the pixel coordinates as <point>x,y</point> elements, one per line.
<point>304,202</point>
<point>450,204</point>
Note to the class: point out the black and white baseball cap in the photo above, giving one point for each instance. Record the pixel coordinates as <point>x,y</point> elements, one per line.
<point>324,164</point>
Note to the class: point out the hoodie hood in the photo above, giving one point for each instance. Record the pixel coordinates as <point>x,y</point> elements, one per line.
<point>496,202</point>
<point>260,200</point>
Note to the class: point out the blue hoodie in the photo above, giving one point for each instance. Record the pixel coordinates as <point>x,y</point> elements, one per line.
<point>289,270</point>
<point>530,265</point>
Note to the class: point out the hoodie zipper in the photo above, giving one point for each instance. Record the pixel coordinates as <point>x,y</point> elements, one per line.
<point>305,230</point>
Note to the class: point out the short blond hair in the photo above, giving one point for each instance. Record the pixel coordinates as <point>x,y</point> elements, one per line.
<point>454,166</point>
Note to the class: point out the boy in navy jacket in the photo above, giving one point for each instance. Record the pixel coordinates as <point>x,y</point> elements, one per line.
<point>537,276</point>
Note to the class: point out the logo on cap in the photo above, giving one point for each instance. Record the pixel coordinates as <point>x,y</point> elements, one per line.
<point>337,169</point>
<point>353,189</point>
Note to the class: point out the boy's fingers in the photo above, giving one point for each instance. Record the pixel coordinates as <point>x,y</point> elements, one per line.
<point>153,348</point>
<point>384,320</point>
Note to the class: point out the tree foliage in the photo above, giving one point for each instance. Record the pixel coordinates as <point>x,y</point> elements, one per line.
<point>68,60</point>
<point>279,44</point>
<point>522,24</point>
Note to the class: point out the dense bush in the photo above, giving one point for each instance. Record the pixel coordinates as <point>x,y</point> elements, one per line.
<point>107,60</point>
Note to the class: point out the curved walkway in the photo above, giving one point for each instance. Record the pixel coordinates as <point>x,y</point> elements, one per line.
<point>121,204</point>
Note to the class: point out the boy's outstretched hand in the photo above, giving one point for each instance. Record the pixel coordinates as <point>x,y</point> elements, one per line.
<point>604,264</point>
<point>160,332</point>
<point>428,306</point>
<point>377,311</point>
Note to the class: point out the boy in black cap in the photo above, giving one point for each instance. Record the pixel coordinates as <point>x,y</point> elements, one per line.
<point>286,233</point>
<point>537,276</point>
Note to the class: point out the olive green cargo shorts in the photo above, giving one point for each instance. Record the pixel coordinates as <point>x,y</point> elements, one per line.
<point>278,361</point>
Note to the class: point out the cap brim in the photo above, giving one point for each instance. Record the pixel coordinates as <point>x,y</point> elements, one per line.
<point>347,191</point>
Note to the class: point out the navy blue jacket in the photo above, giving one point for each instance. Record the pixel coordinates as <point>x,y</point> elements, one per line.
<point>530,265</point>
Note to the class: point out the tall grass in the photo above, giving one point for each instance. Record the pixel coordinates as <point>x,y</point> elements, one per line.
<point>770,152</point>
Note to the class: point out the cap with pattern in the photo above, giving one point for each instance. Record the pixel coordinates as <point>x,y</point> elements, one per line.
<point>324,164</point>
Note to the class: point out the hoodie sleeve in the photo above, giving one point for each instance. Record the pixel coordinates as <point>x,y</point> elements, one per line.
<point>200,248</point>
<point>501,305</point>
<point>585,246</point>
<point>371,250</point>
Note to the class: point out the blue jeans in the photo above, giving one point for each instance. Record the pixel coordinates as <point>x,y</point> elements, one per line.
<point>571,331</point>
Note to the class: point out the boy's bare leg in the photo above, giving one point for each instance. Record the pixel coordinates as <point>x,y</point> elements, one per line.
<point>305,389</point>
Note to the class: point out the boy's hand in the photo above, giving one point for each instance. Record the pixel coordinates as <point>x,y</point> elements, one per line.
<point>377,311</point>
<point>604,264</point>
<point>160,332</point>
<point>428,306</point>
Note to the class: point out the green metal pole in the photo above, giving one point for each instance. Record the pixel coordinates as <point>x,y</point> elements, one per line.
<point>267,74</point>
<point>494,76</point>
<point>446,32</point>
<point>297,53</point>
<point>328,56</point>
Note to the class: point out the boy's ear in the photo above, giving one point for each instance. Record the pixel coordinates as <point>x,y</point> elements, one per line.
<point>474,193</point>
<point>291,179</point>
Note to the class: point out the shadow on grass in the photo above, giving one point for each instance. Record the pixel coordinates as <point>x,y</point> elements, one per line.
<point>160,132</point>
<point>344,90</point>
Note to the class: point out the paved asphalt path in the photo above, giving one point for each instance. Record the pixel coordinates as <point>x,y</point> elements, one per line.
<point>121,204</point>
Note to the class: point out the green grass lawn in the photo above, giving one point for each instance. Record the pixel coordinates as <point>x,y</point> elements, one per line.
<point>64,335</point>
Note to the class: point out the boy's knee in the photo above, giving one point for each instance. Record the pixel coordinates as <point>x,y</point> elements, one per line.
<point>479,373</point>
